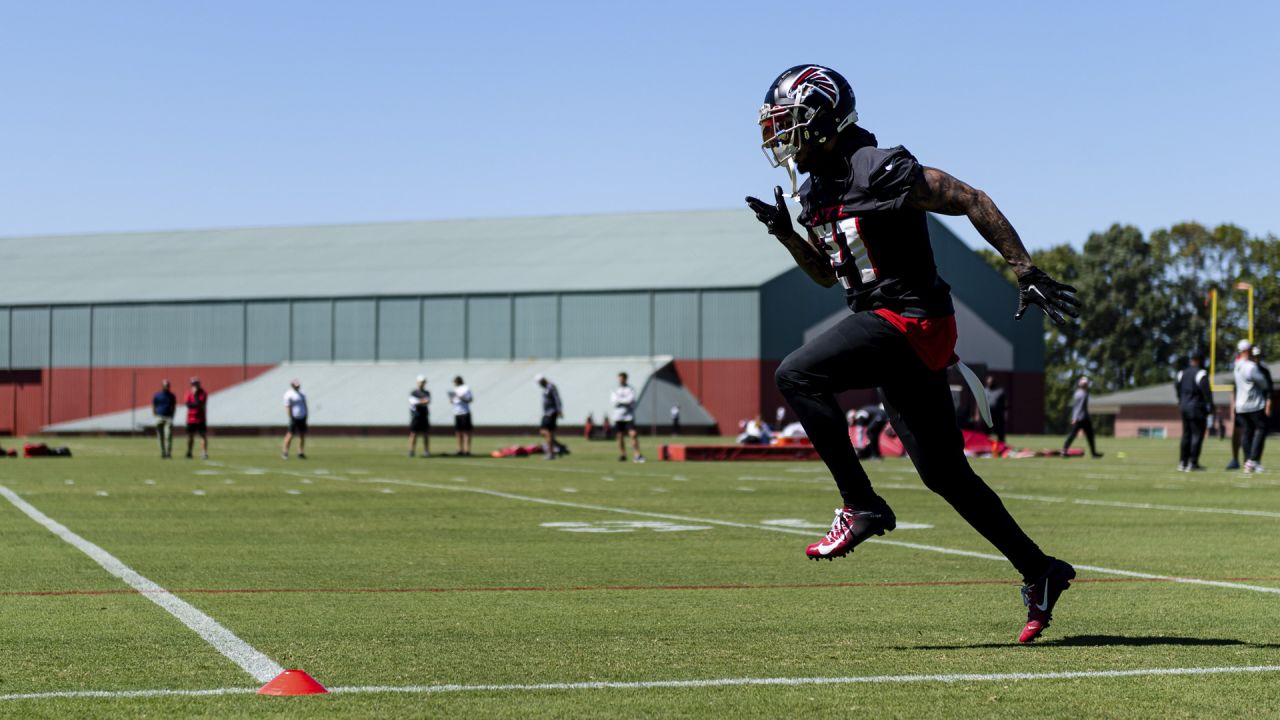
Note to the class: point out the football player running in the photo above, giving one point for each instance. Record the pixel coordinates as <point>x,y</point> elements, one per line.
<point>863,209</point>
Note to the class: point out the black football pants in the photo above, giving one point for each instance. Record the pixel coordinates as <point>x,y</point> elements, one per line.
<point>1254,437</point>
<point>1192,437</point>
<point>865,351</point>
<point>1086,426</point>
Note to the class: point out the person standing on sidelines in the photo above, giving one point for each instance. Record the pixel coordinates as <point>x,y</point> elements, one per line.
<point>420,417</point>
<point>163,405</point>
<point>1267,391</point>
<point>1080,420</point>
<point>461,398</point>
<point>623,400</point>
<point>1195,402</point>
<point>1251,404</point>
<point>871,420</point>
<point>552,411</point>
<point>197,402</point>
<point>295,404</point>
<point>675,419</point>
<point>999,407</point>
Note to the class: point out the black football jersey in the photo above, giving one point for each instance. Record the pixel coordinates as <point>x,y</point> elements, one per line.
<point>878,247</point>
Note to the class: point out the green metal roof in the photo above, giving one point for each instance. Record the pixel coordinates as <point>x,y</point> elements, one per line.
<point>704,249</point>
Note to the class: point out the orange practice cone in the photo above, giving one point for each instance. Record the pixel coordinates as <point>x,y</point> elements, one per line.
<point>292,682</point>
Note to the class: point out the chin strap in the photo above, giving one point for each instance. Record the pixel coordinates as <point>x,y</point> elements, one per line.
<point>793,173</point>
<point>979,392</point>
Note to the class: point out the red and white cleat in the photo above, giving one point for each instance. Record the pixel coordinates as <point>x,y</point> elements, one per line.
<point>1041,595</point>
<point>849,529</point>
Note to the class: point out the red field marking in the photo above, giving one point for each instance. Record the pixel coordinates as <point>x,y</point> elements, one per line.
<point>595,588</point>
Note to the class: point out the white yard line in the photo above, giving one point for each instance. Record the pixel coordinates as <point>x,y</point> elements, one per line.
<point>258,665</point>
<point>853,680</point>
<point>1108,503</point>
<point>796,531</point>
<point>706,683</point>
<point>112,694</point>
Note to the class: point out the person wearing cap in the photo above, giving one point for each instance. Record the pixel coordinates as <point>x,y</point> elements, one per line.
<point>552,411</point>
<point>163,405</point>
<point>1251,400</point>
<point>1080,418</point>
<point>420,417</point>
<point>1195,403</point>
<point>197,402</point>
<point>296,409</point>
<point>461,398</point>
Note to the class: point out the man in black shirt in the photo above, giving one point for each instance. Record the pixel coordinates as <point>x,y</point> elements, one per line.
<point>1195,402</point>
<point>872,419</point>
<point>863,209</point>
<point>163,404</point>
<point>999,407</point>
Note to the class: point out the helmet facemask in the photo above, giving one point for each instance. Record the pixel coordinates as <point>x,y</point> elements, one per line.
<point>786,128</point>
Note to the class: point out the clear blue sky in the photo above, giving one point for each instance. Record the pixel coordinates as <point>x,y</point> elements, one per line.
<point>129,115</point>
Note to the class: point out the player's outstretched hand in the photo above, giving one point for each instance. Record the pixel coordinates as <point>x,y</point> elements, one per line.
<point>776,218</point>
<point>1035,287</point>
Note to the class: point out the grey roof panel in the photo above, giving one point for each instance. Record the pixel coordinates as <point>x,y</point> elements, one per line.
<point>1157,395</point>
<point>704,249</point>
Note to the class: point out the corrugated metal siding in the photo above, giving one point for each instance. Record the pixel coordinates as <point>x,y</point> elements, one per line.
<point>210,334</point>
<point>675,324</point>
<point>730,324</point>
<point>604,324</point>
<point>444,328</point>
<point>399,328</point>
<point>267,333</point>
<point>312,330</point>
<point>4,338</point>
<point>489,328</point>
<point>354,327</point>
<point>30,338</point>
<point>150,335</point>
<point>535,325</point>
<point>71,340</point>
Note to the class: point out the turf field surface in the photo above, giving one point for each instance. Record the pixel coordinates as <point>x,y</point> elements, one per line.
<point>590,587</point>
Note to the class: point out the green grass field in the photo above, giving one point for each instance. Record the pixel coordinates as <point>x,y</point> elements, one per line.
<point>411,587</point>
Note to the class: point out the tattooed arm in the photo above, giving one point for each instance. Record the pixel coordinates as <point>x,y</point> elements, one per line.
<point>810,259</point>
<point>806,253</point>
<point>936,191</point>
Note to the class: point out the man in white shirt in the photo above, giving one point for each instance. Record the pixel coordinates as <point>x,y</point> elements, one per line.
<point>460,397</point>
<point>1251,400</point>
<point>295,404</point>
<point>623,403</point>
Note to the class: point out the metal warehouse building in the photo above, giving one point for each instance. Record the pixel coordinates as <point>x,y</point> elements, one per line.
<point>701,306</point>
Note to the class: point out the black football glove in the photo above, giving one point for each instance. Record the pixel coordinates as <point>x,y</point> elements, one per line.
<point>1054,298</point>
<point>776,218</point>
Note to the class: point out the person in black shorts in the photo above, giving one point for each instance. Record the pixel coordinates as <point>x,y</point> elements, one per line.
<point>623,401</point>
<point>552,411</point>
<point>864,212</point>
<point>420,418</point>
<point>295,405</point>
<point>461,398</point>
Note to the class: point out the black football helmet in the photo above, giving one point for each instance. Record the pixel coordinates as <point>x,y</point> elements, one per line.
<point>807,103</point>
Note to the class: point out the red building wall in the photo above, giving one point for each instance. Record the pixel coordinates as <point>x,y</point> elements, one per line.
<point>31,399</point>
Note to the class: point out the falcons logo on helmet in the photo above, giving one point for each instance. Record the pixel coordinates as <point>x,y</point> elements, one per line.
<point>815,79</point>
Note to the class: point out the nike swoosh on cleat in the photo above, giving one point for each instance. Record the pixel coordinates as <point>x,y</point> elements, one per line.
<point>1043,605</point>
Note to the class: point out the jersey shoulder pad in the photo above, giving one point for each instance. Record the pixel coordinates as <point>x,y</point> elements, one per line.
<point>885,173</point>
